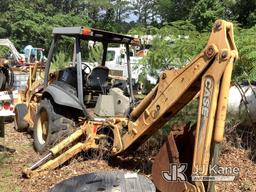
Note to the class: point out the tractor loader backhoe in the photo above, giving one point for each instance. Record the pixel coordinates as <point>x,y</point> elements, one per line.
<point>208,74</point>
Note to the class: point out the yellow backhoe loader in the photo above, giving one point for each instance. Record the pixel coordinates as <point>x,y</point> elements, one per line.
<point>208,74</point>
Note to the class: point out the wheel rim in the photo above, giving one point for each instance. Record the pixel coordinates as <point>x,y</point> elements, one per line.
<point>42,127</point>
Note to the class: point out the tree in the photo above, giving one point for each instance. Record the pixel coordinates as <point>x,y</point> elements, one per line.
<point>122,9</point>
<point>27,25</point>
<point>205,12</point>
<point>145,10</point>
<point>244,12</point>
<point>173,45</point>
<point>173,10</point>
<point>96,9</point>
<point>245,67</point>
<point>66,6</point>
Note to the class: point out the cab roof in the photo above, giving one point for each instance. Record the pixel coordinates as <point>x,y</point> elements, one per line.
<point>87,33</point>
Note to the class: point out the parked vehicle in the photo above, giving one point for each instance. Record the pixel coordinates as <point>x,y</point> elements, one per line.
<point>29,96</point>
<point>12,56</point>
<point>76,92</point>
<point>191,149</point>
<point>8,97</point>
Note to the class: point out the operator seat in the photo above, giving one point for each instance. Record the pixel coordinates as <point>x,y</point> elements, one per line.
<point>97,79</point>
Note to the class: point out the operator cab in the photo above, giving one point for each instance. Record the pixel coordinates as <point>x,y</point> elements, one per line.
<point>87,85</point>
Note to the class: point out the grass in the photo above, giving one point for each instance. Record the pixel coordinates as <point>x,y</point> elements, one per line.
<point>6,181</point>
<point>7,186</point>
<point>5,158</point>
<point>6,173</point>
<point>246,186</point>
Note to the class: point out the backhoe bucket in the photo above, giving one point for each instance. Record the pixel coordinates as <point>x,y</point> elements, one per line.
<point>167,171</point>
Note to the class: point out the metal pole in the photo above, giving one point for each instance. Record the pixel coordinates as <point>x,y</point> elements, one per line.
<point>129,74</point>
<point>80,78</point>
<point>74,55</point>
<point>79,71</point>
<point>41,161</point>
<point>105,49</point>
<point>48,63</point>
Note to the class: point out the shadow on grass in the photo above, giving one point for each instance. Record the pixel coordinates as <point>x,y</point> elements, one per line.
<point>6,149</point>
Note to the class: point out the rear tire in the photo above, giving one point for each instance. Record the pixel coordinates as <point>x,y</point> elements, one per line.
<point>19,123</point>
<point>49,127</point>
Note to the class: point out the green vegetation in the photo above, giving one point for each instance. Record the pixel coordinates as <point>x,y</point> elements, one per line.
<point>31,22</point>
<point>3,51</point>
<point>5,158</point>
<point>95,54</point>
<point>6,183</point>
<point>246,44</point>
<point>60,61</point>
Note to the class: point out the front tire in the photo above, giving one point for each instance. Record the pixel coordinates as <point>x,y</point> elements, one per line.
<point>19,123</point>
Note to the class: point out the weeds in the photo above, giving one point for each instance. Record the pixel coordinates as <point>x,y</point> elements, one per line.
<point>6,185</point>
<point>241,135</point>
<point>7,172</point>
<point>247,185</point>
<point>60,61</point>
<point>5,158</point>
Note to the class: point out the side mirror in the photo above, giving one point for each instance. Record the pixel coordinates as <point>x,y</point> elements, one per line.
<point>122,56</point>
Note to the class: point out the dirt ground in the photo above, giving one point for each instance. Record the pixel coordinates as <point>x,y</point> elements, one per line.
<point>19,154</point>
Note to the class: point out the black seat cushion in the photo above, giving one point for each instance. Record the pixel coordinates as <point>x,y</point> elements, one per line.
<point>97,78</point>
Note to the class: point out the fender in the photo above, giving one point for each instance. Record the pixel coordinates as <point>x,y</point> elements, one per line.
<point>61,97</point>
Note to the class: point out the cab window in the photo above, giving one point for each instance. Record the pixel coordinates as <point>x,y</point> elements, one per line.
<point>110,55</point>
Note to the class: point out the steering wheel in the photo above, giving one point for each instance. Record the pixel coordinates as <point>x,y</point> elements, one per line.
<point>86,69</point>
